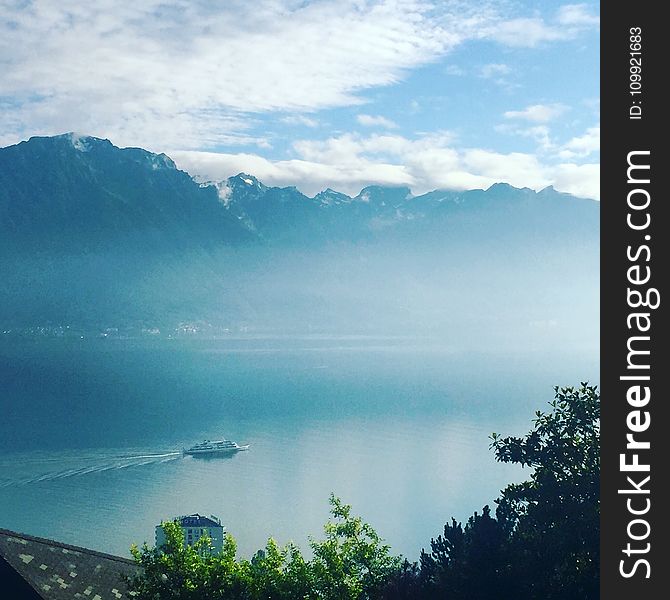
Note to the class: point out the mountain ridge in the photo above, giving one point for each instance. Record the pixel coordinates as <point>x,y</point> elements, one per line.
<point>75,191</point>
<point>79,142</point>
<point>95,234</point>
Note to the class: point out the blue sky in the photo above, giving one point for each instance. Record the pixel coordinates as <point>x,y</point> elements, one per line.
<point>317,94</point>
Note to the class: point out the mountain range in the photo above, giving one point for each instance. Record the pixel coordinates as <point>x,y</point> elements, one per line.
<point>99,235</point>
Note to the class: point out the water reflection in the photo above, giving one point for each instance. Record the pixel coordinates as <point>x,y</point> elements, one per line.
<point>213,457</point>
<point>90,439</point>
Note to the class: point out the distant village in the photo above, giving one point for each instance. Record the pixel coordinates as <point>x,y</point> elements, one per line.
<point>201,329</point>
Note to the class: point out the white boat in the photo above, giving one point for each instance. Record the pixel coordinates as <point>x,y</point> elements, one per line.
<point>215,447</point>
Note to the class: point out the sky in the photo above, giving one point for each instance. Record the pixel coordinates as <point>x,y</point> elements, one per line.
<point>317,93</point>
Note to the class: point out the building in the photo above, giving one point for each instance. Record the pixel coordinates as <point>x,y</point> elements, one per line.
<point>33,568</point>
<point>194,527</point>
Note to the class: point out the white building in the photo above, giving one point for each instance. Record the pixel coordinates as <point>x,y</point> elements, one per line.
<point>194,527</point>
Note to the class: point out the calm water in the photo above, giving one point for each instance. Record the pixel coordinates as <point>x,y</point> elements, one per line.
<point>91,430</point>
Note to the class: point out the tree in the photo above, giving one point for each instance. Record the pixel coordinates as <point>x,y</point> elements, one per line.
<point>351,563</point>
<point>175,571</point>
<point>543,542</point>
<point>280,573</point>
<point>556,513</point>
<point>468,563</point>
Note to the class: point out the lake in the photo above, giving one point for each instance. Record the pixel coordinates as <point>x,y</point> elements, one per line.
<point>92,430</point>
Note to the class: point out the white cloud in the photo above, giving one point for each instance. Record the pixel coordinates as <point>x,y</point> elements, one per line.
<point>309,176</point>
<point>583,145</point>
<point>454,70</point>
<point>592,104</point>
<point>160,72</point>
<point>500,74</point>
<point>172,73</point>
<point>224,192</point>
<point>576,15</point>
<point>537,113</point>
<point>300,120</point>
<point>376,121</point>
<point>527,32</point>
<point>350,161</point>
<point>580,180</point>
<point>539,133</point>
<point>516,168</point>
<point>568,176</point>
<point>492,70</point>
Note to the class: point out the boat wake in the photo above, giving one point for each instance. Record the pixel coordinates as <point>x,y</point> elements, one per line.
<point>100,465</point>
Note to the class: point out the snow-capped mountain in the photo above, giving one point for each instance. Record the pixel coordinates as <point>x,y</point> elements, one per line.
<point>94,233</point>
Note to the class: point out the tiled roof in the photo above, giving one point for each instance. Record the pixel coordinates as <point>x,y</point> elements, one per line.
<point>58,571</point>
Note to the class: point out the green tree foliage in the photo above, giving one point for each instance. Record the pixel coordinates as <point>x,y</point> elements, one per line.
<point>350,563</point>
<point>469,561</point>
<point>543,542</point>
<point>556,513</point>
<point>465,563</point>
<point>179,572</point>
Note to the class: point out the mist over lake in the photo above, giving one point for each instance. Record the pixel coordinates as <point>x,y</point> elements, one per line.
<point>366,346</point>
<point>398,427</point>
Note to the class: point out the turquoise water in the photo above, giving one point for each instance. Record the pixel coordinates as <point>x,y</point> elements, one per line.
<point>92,429</point>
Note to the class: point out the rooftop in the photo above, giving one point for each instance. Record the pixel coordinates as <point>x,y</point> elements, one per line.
<point>56,571</point>
<point>196,520</point>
